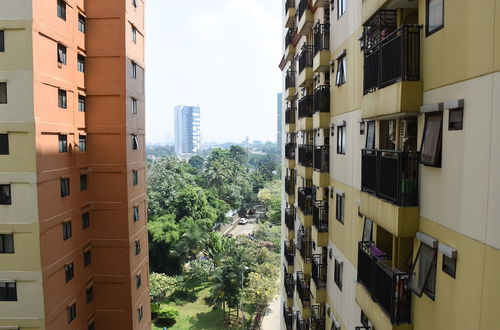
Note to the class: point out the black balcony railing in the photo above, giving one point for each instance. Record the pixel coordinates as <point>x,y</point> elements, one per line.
<point>304,245</point>
<point>320,216</point>
<point>306,58</point>
<point>301,324</point>
<point>306,107</point>
<point>387,286</point>
<point>321,99</point>
<point>391,175</point>
<point>289,285</point>
<point>395,58</point>
<point>290,79</point>
<point>305,200</point>
<point>306,155</point>
<point>322,159</point>
<point>290,218</point>
<point>289,252</point>
<point>321,38</point>
<point>302,8</point>
<point>288,5</point>
<point>289,36</point>
<point>303,289</point>
<point>318,321</point>
<point>288,316</point>
<point>319,271</point>
<point>290,151</point>
<point>290,115</point>
<point>290,185</point>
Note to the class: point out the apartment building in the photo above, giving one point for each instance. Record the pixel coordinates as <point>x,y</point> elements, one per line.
<point>391,200</point>
<point>187,130</point>
<point>73,234</point>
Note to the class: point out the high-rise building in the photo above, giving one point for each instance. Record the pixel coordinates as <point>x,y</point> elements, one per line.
<point>187,129</point>
<point>392,217</point>
<point>279,112</point>
<point>73,234</point>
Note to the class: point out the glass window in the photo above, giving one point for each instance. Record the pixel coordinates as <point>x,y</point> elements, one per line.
<point>82,142</point>
<point>86,220</point>
<point>61,9</point>
<point>341,6</point>
<point>62,99</point>
<point>91,326</point>
<point>337,278</point>
<point>341,70</point>
<point>68,272</point>
<point>430,153</point>
<point>367,230</point>
<point>87,258</point>
<point>7,243</point>
<point>138,281</point>
<point>81,63</point>
<point>423,274</point>
<point>134,70</point>
<point>135,177</point>
<point>64,187</point>
<point>3,93</point>
<point>5,196</point>
<point>81,103</point>
<point>67,233</point>
<point>4,144</point>
<point>90,294</point>
<point>140,313</point>
<point>63,143</point>
<point>456,119</point>
<point>134,3</point>
<point>136,213</point>
<point>83,182</point>
<point>2,41</point>
<point>370,135</point>
<point>449,265</point>
<point>435,16</point>
<point>135,142</point>
<point>341,139</point>
<point>61,54</point>
<point>134,34</point>
<point>339,207</point>
<point>137,247</point>
<point>81,23</point>
<point>71,311</point>
<point>134,106</point>
<point>8,291</point>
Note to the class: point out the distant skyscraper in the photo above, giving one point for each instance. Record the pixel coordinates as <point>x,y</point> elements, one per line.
<point>280,121</point>
<point>187,129</point>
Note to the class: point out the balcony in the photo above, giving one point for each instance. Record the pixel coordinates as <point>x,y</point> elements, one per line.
<point>289,44</point>
<point>290,85</point>
<point>321,159</point>
<point>288,316</point>
<point>289,285</point>
<point>386,286</point>
<point>290,218</point>
<point>306,155</point>
<point>319,3</point>
<point>303,290</point>
<point>318,321</point>
<point>290,151</point>
<point>319,271</point>
<point>289,251</point>
<point>305,18</point>
<point>321,99</point>
<point>290,185</point>
<point>289,13</point>
<point>290,115</point>
<point>392,74</point>
<point>321,61</point>
<point>306,73</point>
<point>304,245</point>
<point>301,324</point>
<point>305,200</point>
<point>320,216</point>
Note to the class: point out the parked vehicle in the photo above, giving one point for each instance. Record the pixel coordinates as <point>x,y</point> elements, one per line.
<point>243,221</point>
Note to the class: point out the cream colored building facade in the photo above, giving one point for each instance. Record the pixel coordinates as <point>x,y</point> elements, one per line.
<point>392,197</point>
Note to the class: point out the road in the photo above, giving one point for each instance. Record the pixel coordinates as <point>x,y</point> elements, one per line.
<point>272,319</point>
<point>246,229</point>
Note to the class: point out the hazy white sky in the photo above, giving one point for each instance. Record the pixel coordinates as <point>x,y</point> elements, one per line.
<point>222,55</point>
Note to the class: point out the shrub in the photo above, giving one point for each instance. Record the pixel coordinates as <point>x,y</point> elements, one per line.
<point>155,309</point>
<point>167,316</point>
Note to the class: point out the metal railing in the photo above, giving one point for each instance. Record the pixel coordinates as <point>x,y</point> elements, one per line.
<point>290,218</point>
<point>304,245</point>
<point>302,8</point>
<point>320,216</point>
<point>301,324</point>
<point>290,79</point>
<point>288,316</point>
<point>387,286</point>
<point>289,36</point>
<point>321,159</point>
<point>289,252</point>
<point>290,151</point>
<point>288,5</point>
<point>306,107</point>
<point>391,175</point>
<point>305,200</point>
<point>321,99</point>
<point>289,285</point>
<point>395,58</point>
<point>290,184</point>
<point>306,155</point>
<point>303,289</point>
<point>290,115</point>
<point>321,37</point>
<point>319,271</point>
<point>306,58</point>
<point>318,321</point>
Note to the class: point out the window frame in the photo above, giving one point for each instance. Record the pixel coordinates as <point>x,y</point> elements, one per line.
<point>65,187</point>
<point>61,9</point>
<point>2,41</point>
<point>367,229</point>
<point>71,312</point>
<point>82,142</point>
<point>82,23</point>
<point>82,100</point>
<point>449,266</point>
<point>138,280</point>
<point>87,258</point>
<point>340,211</point>
<point>8,199</point>
<point>428,31</point>
<point>62,140</point>
<point>140,313</point>
<point>84,182</point>
<point>67,230</point>
<point>135,3</point>
<point>456,125</point>
<point>429,272</point>
<point>134,70</point>
<point>5,247</point>
<point>134,34</point>
<point>135,142</point>
<point>137,245</point>
<point>370,134</point>
<point>134,106</point>
<point>437,157</point>
<point>338,272</point>
<point>341,139</point>
<point>69,272</point>
<point>80,60</point>
<point>86,220</point>
<point>136,214</point>
<point>4,144</point>
<point>341,76</point>
<point>341,8</point>
<point>9,289</point>
<point>62,54</point>
<point>89,294</point>
<point>135,177</point>
<point>3,85</point>
<point>62,98</point>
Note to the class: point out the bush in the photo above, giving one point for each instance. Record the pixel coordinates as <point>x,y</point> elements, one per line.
<point>155,310</point>
<point>167,316</point>
<point>182,297</point>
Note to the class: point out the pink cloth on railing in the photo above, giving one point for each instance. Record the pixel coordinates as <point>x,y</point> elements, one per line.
<point>375,251</point>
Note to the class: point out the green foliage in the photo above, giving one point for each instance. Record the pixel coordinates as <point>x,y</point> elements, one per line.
<point>260,290</point>
<point>198,271</point>
<point>268,233</point>
<point>167,316</point>
<point>161,286</point>
<point>160,151</point>
<point>197,162</point>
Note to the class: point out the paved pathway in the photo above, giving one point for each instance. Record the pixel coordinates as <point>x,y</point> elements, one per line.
<point>272,319</point>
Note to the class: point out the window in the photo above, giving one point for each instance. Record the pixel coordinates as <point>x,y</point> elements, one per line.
<point>136,213</point>
<point>134,3</point>
<point>364,319</point>
<point>135,142</point>
<point>81,63</point>
<point>90,294</point>
<point>137,247</point>
<point>135,178</point>
<point>423,274</point>
<point>81,103</point>
<point>134,70</point>
<point>62,99</point>
<point>63,143</point>
<point>7,243</point>
<point>83,182</point>
<point>5,197</point>
<point>64,187</point>
<point>434,16</point>
<point>339,202</point>
<point>370,135</point>
<point>61,9</point>
<point>85,220</point>
<point>456,119</point>
<point>67,233</point>
<point>341,6</point>
<point>4,144</point>
<point>134,106</point>
<point>367,230</point>
<point>87,258</point>
<point>431,140</point>
<point>337,276</point>
<point>71,311</point>
<point>2,41</point>
<point>82,142</point>
<point>341,140</point>
<point>81,23</point>
<point>91,326</point>
<point>138,281</point>
<point>140,313</point>
<point>3,93</point>
<point>341,69</point>
<point>8,291</point>
<point>61,54</point>
<point>134,34</point>
<point>68,272</point>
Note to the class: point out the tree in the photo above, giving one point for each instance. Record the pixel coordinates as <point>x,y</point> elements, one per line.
<point>161,286</point>
<point>198,271</point>
<point>260,290</point>
<point>164,234</point>
<point>269,196</point>
<point>197,162</point>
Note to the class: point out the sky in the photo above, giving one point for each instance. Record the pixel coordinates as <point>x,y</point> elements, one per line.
<point>222,55</point>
